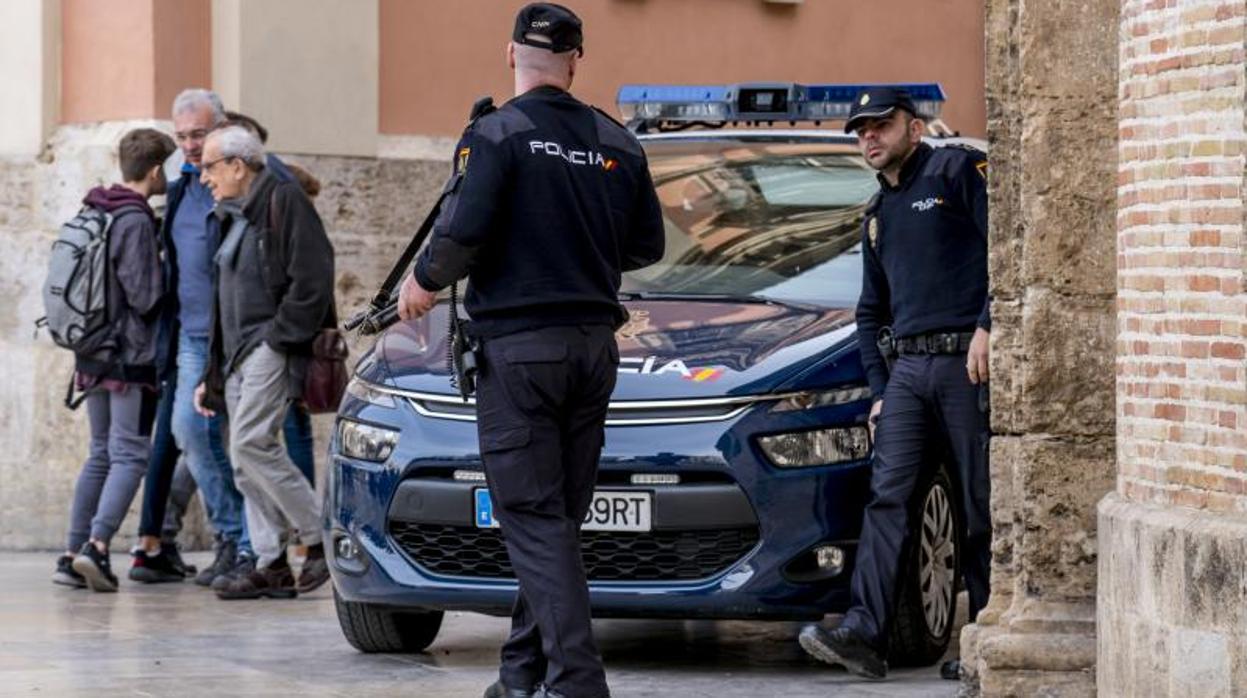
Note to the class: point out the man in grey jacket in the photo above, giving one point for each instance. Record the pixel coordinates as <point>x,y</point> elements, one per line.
<point>273,293</point>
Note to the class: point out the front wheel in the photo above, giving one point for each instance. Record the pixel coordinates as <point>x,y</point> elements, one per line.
<point>381,629</point>
<point>926,603</point>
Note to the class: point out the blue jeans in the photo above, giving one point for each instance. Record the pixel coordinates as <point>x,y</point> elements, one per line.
<point>298,432</point>
<point>200,438</point>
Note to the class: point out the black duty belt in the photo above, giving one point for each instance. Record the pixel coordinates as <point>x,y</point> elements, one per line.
<point>935,343</point>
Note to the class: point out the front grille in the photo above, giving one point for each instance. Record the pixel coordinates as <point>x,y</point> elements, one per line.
<point>461,551</point>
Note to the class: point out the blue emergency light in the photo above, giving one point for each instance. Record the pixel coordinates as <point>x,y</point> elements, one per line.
<point>681,106</point>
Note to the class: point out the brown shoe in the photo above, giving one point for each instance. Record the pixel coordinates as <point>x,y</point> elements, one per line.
<point>270,582</point>
<point>314,573</point>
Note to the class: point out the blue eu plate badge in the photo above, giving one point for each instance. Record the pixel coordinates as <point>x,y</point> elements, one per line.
<point>484,509</point>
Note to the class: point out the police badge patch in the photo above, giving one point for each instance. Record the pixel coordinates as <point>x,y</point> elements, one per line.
<point>872,232</point>
<point>462,164</point>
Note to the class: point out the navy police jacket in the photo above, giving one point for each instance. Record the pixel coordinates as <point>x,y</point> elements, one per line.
<point>924,250</point>
<point>550,201</point>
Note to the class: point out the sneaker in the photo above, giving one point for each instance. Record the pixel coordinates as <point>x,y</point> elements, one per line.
<point>153,569</point>
<point>95,567</point>
<point>244,565</point>
<point>65,574</point>
<point>274,582</point>
<point>844,647</point>
<point>226,553</point>
<point>315,570</point>
<point>174,553</point>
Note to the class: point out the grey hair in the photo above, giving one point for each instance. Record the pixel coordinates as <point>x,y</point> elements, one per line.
<point>238,142</point>
<point>197,97</point>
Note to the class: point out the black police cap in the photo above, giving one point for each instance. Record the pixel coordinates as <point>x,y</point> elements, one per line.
<point>549,26</point>
<point>876,102</point>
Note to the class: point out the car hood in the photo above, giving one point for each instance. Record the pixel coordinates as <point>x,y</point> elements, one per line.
<point>668,349</point>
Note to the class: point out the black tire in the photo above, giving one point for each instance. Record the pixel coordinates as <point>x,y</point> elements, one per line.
<point>926,604</point>
<point>379,629</point>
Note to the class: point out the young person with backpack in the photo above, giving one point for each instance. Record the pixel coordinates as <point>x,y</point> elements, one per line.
<point>103,296</point>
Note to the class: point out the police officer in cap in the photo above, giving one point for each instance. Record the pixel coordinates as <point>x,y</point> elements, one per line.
<point>924,249</point>
<point>552,200</point>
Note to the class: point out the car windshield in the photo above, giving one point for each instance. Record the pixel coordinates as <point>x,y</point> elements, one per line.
<point>778,220</point>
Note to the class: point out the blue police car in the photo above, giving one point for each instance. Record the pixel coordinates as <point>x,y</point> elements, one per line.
<point>737,458</point>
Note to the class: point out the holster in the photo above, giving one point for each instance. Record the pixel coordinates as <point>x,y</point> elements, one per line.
<point>465,360</point>
<point>886,342</point>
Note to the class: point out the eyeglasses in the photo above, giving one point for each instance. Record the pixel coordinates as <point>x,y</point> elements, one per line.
<point>208,165</point>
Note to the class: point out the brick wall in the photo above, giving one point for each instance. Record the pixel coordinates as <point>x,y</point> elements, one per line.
<point>1182,255</point>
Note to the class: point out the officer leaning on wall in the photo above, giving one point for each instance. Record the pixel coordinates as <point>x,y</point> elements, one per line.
<point>551,201</point>
<point>924,248</point>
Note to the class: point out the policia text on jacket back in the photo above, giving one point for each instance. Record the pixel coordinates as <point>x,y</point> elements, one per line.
<point>551,202</point>
<point>924,250</point>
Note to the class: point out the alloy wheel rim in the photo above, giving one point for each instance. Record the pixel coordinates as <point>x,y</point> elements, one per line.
<point>937,561</point>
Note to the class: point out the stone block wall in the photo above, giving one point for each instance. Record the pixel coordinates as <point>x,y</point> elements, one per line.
<point>1051,94</point>
<point>370,207</point>
<point>1172,602</point>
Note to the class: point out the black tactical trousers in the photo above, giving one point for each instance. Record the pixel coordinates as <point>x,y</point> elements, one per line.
<point>541,406</point>
<point>929,405</point>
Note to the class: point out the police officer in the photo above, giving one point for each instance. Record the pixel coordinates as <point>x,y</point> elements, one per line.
<point>924,249</point>
<point>551,200</point>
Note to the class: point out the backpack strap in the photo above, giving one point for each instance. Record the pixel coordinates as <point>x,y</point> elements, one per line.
<point>70,401</point>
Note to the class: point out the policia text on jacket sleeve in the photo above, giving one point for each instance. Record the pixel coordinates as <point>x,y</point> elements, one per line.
<point>924,250</point>
<point>551,202</point>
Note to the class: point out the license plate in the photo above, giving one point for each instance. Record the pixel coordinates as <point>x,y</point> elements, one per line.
<point>610,511</point>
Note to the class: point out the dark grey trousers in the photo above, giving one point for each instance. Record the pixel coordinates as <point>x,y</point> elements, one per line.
<point>929,400</point>
<point>121,430</point>
<point>541,408</point>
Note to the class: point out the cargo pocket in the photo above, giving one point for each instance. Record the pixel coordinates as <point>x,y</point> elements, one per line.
<point>504,452</point>
<point>505,439</point>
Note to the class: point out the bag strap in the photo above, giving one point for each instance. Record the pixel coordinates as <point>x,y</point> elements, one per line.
<point>70,401</point>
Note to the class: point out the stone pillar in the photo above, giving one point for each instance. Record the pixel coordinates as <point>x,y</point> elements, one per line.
<point>1173,567</point>
<point>1052,101</point>
<point>306,69</point>
<point>29,74</point>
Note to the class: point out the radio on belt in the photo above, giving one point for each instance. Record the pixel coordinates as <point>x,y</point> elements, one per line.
<point>676,107</point>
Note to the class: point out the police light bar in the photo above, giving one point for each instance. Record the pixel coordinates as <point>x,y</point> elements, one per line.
<point>681,106</point>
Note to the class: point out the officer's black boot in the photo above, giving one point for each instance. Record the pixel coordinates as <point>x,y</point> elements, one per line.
<point>951,670</point>
<point>843,646</point>
<point>501,690</point>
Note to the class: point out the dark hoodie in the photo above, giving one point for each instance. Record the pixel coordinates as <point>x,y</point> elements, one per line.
<point>135,289</point>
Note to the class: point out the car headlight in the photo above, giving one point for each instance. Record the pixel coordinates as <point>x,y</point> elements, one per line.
<point>820,447</point>
<point>363,390</point>
<point>366,442</point>
<point>826,398</point>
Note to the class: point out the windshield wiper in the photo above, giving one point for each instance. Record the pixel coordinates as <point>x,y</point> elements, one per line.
<point>711,298</point>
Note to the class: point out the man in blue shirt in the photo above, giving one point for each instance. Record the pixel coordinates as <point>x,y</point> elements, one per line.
<point>192,237</point>
<point>924,250</point>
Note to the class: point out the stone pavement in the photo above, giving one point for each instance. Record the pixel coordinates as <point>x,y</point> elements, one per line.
<point>179,640</point>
